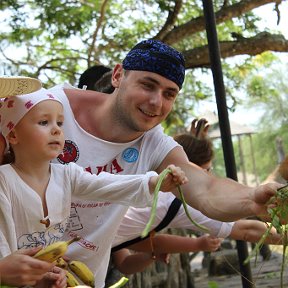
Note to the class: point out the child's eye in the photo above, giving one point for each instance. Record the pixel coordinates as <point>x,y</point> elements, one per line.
<point>43,123</point>
<point>60,123</point>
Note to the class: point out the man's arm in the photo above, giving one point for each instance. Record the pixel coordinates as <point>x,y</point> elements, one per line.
<point>219,198</point>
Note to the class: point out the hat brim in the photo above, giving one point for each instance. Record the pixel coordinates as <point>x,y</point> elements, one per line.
<point>19,85</point>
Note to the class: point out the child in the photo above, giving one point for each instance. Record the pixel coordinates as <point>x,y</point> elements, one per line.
<point>35,195</point>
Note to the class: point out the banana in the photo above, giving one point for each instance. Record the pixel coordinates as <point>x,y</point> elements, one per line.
<point>120,283</point>
<point>83,272</point>
<point>60,262</point>
<point>71,280</point>
<point>54,251</point>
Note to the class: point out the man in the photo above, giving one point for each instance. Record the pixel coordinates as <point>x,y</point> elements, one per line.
<point>121,134</point>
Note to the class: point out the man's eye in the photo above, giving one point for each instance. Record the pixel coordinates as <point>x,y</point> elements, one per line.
<point>148,86</point>
<point>170,95</point>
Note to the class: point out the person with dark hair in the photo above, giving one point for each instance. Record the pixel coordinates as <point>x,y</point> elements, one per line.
<point>97,78</point>
<point>122,134</point>
<point>90,76</point>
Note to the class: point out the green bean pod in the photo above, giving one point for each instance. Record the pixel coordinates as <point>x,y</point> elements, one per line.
<point>162,175</point>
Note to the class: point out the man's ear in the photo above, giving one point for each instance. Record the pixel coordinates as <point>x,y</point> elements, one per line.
<point>12,138</point>
<point>117,75</point>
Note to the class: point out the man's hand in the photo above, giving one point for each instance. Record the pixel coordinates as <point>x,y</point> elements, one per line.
<point>261,198</point>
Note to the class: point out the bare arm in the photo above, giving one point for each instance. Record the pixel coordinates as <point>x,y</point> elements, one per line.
<point>128,263</point>
<point>219,198</point>
<point>252,230</point>
<point>165,243</point>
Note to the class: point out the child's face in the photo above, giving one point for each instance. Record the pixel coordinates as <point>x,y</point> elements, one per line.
<point>39,133</point>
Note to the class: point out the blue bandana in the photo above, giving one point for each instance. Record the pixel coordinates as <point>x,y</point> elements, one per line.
<point>155,56</point>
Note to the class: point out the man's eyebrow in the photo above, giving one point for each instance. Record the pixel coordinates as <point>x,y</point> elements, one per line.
<point>148,78</point>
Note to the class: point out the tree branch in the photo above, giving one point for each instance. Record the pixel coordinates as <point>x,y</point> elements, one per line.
<point>264,41</point>
<point>170,21</point>
<point>99,23</point>
<point>224,14</point>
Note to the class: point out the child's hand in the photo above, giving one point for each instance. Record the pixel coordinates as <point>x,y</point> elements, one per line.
<point>56,278</point>
<point>170,181</point>
<point>209,243</point>
<point>21,269</point>
<point>173,179</point>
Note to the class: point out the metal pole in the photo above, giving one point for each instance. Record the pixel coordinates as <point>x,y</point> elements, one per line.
<point>253,160</point>
<point>229,159</point>
<point>242,161</point>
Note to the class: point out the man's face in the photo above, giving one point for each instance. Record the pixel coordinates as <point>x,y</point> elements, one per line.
<point>144,99</point>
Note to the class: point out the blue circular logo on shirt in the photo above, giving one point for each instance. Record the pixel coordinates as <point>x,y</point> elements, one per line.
<point>130,155</point>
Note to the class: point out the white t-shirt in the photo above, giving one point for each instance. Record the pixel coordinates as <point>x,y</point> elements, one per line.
<point>97,222</point>
<point>136,219</point>
<point>22,210</point>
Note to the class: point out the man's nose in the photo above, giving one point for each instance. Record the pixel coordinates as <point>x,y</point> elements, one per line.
<point>156,99</point>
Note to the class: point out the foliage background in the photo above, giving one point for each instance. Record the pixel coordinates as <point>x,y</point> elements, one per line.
<point>57,40</point>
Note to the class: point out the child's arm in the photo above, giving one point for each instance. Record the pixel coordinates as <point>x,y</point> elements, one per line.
<point>166,243</point>
<point>163,244</point>
<point>128,263</point>
<point>128,190</point>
